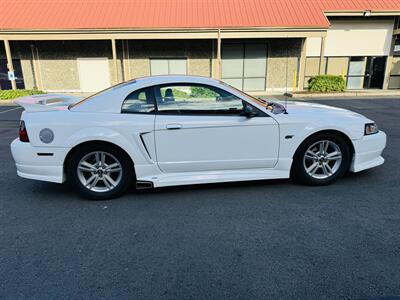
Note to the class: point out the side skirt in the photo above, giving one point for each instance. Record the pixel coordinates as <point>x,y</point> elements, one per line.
<point>187,178</point>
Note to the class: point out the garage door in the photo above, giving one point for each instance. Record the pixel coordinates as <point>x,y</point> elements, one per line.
<point>94,74</point>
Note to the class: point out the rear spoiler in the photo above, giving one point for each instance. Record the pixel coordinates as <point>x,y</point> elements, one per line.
<point>46,102</point>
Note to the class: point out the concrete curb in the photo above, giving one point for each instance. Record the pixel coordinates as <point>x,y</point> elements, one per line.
<point>8,102</point>
<point>347,94</point>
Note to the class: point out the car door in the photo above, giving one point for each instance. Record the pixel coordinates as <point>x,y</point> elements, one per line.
<point>202,128</point>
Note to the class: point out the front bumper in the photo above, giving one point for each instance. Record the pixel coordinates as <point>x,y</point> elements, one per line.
<point>30,164</point>
<point>368,151</point>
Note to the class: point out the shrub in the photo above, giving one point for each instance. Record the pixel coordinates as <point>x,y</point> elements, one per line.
<point>12,94</point>
<point>199,91</point>
<point>326,83</point>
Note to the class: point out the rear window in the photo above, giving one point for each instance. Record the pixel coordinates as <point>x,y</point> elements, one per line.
<point>139,102</point>
<point>118,86</point>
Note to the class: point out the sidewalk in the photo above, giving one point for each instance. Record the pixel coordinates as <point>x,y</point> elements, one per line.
<point>352,93</point>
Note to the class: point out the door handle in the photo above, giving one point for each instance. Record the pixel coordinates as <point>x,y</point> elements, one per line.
<point>174,126</point>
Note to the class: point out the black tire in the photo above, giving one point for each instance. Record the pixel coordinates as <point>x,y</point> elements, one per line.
<point>127,176</point>
<point>299,172</point>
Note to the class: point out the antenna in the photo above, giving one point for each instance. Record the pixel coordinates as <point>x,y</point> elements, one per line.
<point>287,71</point>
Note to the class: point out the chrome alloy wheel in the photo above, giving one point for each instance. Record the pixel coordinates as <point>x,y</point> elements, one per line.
<point>322,159</point>
<point>99,171</point>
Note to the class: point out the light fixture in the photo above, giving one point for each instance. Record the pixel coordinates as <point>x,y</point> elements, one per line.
<point>367,13</point>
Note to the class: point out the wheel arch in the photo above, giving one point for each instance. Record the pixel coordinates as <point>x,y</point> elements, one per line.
<point>345,137</point>
<point>91,142</point>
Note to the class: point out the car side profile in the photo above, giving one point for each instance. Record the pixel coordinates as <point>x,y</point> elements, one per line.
<point>179,130</point>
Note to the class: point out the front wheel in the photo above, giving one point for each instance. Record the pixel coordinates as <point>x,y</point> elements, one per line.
<point>100,171</point>
<point>321,160</point>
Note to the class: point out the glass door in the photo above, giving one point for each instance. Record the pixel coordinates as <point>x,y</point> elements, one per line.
<point>355,77</point>
<point>244,65</point>
<point>375,72</point>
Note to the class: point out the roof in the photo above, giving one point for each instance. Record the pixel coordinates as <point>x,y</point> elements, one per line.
<point>166,14</point>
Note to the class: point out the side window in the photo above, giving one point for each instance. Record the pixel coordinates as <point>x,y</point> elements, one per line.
<point>140,101</point>
<point>196,99</point>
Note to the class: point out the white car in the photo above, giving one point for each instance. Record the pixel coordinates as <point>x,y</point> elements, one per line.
<point>176,130</point>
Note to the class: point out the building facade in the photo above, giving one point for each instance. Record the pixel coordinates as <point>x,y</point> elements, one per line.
<point>357,42</point>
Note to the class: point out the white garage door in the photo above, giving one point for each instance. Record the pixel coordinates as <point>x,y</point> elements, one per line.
<point>94,74</point>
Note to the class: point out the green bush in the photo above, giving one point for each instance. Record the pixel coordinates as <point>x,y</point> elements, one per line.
<point>199,91</point>
<point>12,94</point>
<point>326,83</point>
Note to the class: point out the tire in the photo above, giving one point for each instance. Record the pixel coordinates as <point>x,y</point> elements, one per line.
<point>100,171</point>
<point>315,166</point>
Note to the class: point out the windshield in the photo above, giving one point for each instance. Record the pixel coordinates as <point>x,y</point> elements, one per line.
<point>275,108</point>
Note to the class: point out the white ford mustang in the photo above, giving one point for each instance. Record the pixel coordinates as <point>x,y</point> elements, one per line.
<point>176,130</point>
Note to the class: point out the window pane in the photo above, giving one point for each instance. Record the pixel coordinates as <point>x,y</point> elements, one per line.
<point>337,65</point>
<point>138,102</point>
<point>396,50</point>
<point>159,66</point>
<point>355,83</point>
<point>255,61</point>
<point>177,66</point>
<point>199,98</point>
<point>312,66</point>
<point>394,82</point>
<point>232,60</point>
<point>395,66</point>
<point>254,84</point>
<point>235,82</point>
<point>356,66</point>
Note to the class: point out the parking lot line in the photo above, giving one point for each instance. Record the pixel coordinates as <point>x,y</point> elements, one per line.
<point>8,110</point>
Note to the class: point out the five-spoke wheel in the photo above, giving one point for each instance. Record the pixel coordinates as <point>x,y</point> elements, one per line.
<point>100,171</point>
<point>321,159</point>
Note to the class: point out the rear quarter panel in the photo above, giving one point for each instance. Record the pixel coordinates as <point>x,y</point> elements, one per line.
<point>73,128</point>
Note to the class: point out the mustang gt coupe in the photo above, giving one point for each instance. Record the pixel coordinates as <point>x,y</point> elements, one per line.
<point>178,130</point>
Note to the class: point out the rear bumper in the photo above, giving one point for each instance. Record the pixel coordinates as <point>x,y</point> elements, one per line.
<point>368,151</point>
<point>33,166</point>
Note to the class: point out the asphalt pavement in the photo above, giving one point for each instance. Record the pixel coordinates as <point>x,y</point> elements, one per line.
<point>255,240</point>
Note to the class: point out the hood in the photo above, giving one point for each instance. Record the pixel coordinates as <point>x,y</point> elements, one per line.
<point>306,108</point>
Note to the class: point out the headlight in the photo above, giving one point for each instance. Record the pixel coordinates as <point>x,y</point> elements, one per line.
<point>371,128</point>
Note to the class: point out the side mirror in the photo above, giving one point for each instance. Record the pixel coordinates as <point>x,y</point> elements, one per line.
<point>249,111</point>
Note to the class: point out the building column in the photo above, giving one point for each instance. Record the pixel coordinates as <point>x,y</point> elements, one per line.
<point>126,61</point>
<point>10,63</point>
<point>322,57</point>
<point>219,65</point>
<point>302,66</point>
<point>389,62</point>
<point>115,62</point>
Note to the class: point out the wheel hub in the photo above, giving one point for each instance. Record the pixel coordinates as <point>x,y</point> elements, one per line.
<point>99,171</point>
<point>322,159</point>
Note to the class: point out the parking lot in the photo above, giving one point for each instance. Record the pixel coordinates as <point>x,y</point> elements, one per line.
<point>255,240</point>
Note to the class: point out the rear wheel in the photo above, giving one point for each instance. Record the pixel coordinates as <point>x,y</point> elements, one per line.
<point>100,171</point>
<point>321,159</point>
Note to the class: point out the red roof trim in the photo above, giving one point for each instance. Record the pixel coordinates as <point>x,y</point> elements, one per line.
<point>165,14</point>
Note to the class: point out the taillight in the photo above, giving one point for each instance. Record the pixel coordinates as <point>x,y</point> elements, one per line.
<point>23,134</point>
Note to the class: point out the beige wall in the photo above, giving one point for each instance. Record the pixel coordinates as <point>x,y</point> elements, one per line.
<point>197,52</point>
<point>364,37</point>
<point>53,66</point>
<point>314,46</point>
<point>280,53</point>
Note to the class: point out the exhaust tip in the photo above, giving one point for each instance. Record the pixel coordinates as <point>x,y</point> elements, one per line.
<point>144,185</point>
